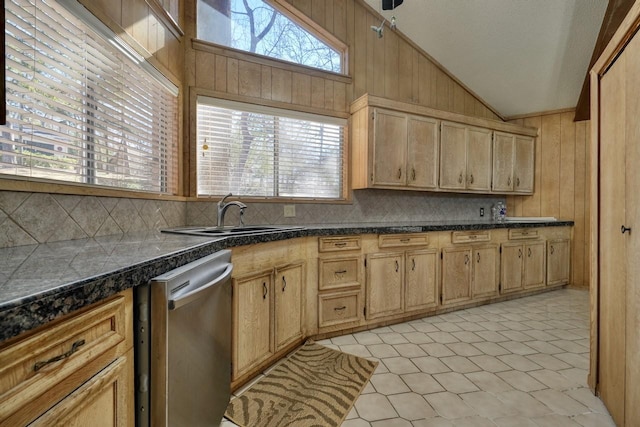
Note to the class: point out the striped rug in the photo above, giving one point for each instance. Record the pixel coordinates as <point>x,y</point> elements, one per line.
<point>315,386</point>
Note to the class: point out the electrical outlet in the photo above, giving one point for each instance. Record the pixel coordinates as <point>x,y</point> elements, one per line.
<point>481,211</point>
<point>289,211</point>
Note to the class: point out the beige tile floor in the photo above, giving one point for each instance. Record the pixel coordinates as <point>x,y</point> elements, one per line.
<point>517,363</point>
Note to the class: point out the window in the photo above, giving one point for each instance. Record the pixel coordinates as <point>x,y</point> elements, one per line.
<point>82,107</point>
<point>267,152</point>
<point>255,26</point>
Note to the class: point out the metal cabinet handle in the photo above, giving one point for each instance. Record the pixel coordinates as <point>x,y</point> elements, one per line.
<point>413,264</point>
<point>340,244</point>
<point>399,173</point>
<point>519,253</point>
<point>478,256</point>
<point>460,178</point>
<point>340,308</point>
<point>625,229</point>
<point>517,182</point>
<point>471,179</point>
<point>284,283</point>
<point>509,182</point>
<point>340,272</point>
<point>466,259</point>
<point>405,240</point>
<point>529,253</point>
<point>397,266</point>
<point>264,290</point>
<point>74,348</point>
<point>413,174</point>
<point>551,250</point>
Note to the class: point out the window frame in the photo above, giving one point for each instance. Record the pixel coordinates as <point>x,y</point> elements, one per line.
<point>345,190</point>
<point>302,20</point>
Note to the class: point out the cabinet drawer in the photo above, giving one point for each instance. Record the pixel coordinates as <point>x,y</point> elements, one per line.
<point>339,272</point>
<point>39,370</point>
<point>335,244</point>
<point>396,240</point>
<point>338,308</point>
<point>523,233</point>
<point>470,236</point>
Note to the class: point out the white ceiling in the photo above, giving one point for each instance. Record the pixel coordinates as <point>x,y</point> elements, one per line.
<point>519,56</point>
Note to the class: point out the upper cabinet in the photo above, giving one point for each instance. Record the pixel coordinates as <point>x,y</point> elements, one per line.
<point>465,160</point>
<point>405,150</point>
<point>513,163</point>
<point>396,145</point>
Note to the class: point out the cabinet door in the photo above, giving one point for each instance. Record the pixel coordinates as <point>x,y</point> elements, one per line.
<point>456,274</point>
<point>558,259</point>
<point>251,321</point>
<point>511,267</point>
<point>485,271</point>
<point>503,161</point>
<point>422,152</point>
<point>523,169</point>
<point>421,290</point>
<point>453,156</point>
<point>479,159</point>
<point>106,399</point>
<point>384,284</point>
<point>534,263</point>
<point>389,148</point>
<point>288,287</point>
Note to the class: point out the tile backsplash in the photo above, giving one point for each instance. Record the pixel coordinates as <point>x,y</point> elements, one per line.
<point>30,218</point>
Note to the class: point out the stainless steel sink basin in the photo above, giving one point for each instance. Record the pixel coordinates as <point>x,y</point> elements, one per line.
<point>230,231</point>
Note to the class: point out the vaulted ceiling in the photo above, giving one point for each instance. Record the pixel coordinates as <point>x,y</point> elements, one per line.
<point>519,56</point>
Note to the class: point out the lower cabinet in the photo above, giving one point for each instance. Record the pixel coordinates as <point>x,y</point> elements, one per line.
<point>558,261</point>
<point>401,282</point>
<point>77,372</point>
<point>257,299</point>
<point>469,272</point>
<point>522,266</point>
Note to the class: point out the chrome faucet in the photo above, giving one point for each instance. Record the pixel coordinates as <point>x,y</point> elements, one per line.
<point>222,209</point>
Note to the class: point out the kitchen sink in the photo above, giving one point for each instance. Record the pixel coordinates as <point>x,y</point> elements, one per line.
<point>231,231</point>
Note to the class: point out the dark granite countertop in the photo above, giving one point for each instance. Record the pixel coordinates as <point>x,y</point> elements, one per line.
<point>39,283</point>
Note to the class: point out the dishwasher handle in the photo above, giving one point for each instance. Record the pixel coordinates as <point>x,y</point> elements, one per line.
<point>187,297</point>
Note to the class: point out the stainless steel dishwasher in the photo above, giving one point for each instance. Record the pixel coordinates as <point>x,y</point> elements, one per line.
<point>183,345</point>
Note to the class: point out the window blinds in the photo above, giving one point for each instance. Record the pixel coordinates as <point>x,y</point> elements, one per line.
<point>79,109</point>
<point>264,152</point>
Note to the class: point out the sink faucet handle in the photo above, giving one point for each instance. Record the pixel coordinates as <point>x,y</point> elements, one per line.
<point>242,208</point>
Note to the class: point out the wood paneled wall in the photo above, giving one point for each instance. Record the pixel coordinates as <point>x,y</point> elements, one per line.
<point>561,181</point>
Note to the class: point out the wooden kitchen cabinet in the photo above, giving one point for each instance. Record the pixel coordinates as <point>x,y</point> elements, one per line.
<point>513,163</point>
<point>456,274</point>
<point>404,281</point>
<point>485,276</point>
<point>405,150</point>
<point>465,157</point>
<point>289,287</point>
<point>257,299</point>
<point>558,261</point>
<point>76,371</point>
<point>252,325</point>
<point>522,266</point>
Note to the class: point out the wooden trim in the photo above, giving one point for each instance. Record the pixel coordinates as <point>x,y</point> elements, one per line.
<point>376,101</point>
<point>35,185</point>
<point>166,18</point>
<point>627,29</point>
<point>540,113</point>
<point>3,88</point>
<point>229,52</point>
<point>431,59</point>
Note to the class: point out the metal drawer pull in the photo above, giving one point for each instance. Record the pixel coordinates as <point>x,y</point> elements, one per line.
<point>340,308</point>
<point>460,178</point>
<point>397,266</point>
<point>473,236</point>
<point>74,348</point>
<point>519,253</point>
<point>466,259</point>
<point>529,253</point>
<point>551,250</point>
<point>284,281</point>
<point>341,272</point>
<point>509,182</point>
<point>413,174</point>
<point>340,244</point>
<point>405,240</point>
<point>478,253</point>
<point>399,173</point>
<point>517,182</point>
<point>625,229</point>
<point>413,264</point>
<point>264,290</point>
<point>471,179</point>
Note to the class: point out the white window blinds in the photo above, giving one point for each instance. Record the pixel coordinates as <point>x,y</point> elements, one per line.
<point>80,108</point>
<point>265,152</point>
